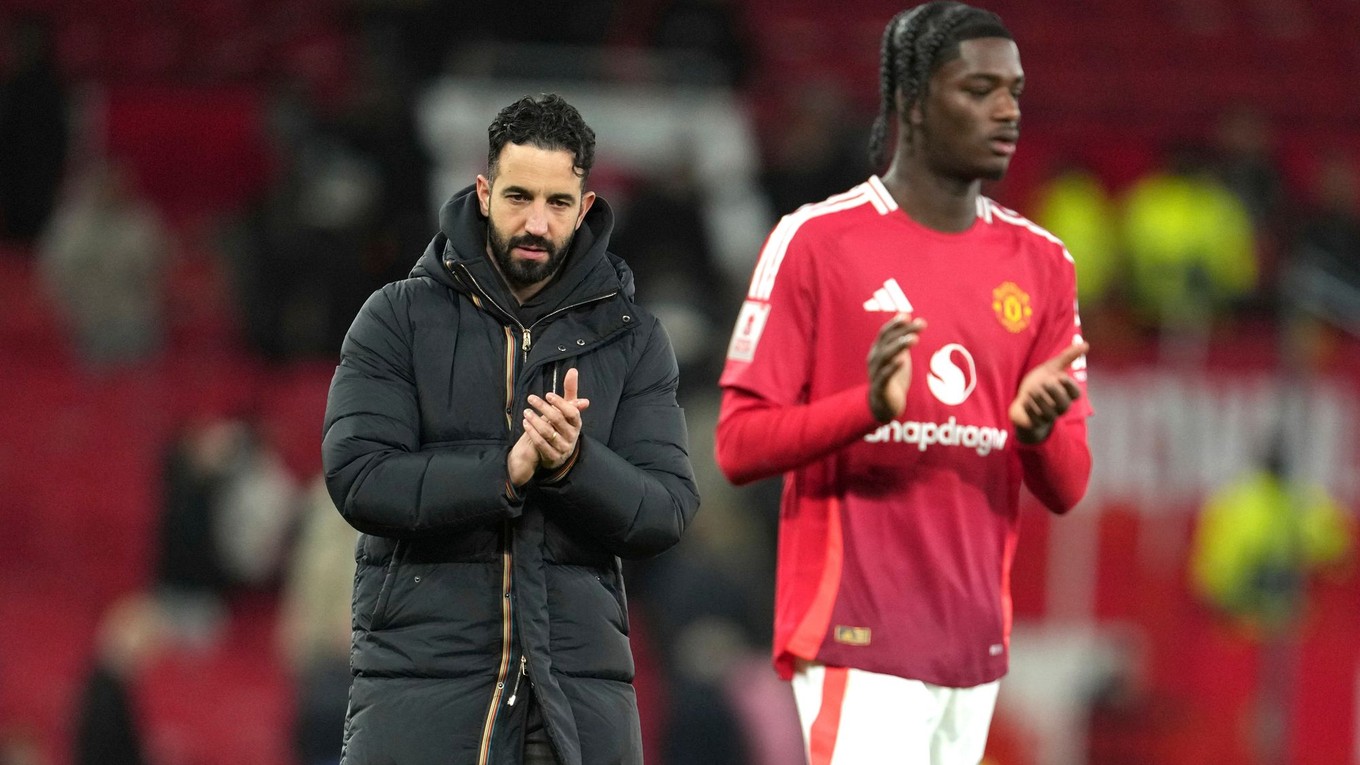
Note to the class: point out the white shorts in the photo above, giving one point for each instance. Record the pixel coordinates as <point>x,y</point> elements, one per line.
<point>851,716</point>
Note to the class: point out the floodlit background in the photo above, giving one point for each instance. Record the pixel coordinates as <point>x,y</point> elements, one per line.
<point>196,197</point>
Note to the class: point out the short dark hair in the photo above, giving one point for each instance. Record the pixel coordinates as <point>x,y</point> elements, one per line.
<point>915,44</point>
<point>547,122</point>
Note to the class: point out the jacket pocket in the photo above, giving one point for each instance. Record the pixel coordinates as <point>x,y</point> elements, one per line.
<point>376,620</point>
<point>588,632</point>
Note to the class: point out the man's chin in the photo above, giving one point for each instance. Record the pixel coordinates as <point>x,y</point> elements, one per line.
<point>994,171</point>
<point>533,273</point>
<point>532,265</point>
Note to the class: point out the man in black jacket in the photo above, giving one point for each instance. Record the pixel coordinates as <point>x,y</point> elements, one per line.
<point>495,500</point>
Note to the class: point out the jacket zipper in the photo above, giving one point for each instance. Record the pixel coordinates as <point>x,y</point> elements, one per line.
<point>507,557</point>
<point>507,564</point>
<point>507,628</point>
<point>564,309</point>
<point>509,381</point>
<point>523,672</point>
<point>526,333</point>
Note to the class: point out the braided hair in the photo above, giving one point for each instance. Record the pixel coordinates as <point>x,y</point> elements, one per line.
<point>915,44</point>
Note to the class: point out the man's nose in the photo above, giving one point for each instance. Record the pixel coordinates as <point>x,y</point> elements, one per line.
<point>537,222</point>
<point>1008,110</point>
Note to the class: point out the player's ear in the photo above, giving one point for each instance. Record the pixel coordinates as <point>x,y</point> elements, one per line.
<point>587,200</point>
<point>908,115</point>
<point>484,194</point>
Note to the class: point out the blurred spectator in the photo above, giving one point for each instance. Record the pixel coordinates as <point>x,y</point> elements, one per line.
<point>104,256</point>
<point>298,256</point>
<point>704,727</point>
<point>709,612</point>
<point>108,729</point>
<point>33,132</point>
<point>314,627</point>
<point>347,213</point>
<point>726,704</point>
<point>1127,722</point>
<point>1076,207</point>
<point>1259,538</point>
<point>710,29</point>
<point>586,25</point>
<point>1190,244</point>
<point>424,29</point>
<point>817,152</point>
<point>224,524</point>
<point>432,30</point>
<point>1324,275</point>
<point>662,228</point>
<point>380,124</point>
<point>1248,166</point>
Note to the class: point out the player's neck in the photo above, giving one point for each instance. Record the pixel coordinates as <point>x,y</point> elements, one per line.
<point>933,200</point>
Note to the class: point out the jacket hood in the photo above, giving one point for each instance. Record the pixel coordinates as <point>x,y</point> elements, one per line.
<point>459,249</point>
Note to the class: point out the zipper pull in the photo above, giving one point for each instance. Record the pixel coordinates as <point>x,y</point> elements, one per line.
<point>523,670</point>
<point>525,345</point>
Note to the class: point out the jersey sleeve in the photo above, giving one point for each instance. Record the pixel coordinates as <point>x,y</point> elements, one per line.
<point>770,352</point>
<point>1061,328</point>
<point>1058,470</point>
<point>766,424</point>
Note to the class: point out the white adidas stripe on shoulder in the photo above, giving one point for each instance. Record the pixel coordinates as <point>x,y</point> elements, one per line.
<point>1007,215</point>
<point>984,209</point>
<point>762,281</point>
<point>883,200</point>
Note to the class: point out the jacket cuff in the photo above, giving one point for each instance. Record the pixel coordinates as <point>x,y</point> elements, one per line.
<point>560,474</point>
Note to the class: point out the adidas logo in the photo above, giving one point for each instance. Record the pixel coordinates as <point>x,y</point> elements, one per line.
<point>889,298</point>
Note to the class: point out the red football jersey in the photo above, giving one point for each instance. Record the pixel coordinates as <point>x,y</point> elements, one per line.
<point>895,551</point>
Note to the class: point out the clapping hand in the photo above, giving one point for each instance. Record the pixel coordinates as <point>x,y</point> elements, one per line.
<point>1045,393</point>
<point>890,365</point>
<point>552,429</point>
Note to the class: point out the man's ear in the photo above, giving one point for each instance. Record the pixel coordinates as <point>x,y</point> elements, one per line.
<point>915,117</point>
<point>484,195</point>
<point>587,200</point>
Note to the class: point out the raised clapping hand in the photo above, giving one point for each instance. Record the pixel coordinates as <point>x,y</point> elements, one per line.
<point>1045,393</point>
<point>890,365</point>
<point>552,428</point>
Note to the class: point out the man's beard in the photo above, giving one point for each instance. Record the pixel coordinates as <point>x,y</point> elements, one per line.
<point>525,273</point>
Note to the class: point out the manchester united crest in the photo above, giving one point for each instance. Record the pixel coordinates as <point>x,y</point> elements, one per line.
<point>1012,306</point>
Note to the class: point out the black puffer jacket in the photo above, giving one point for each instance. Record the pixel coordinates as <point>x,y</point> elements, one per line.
<point>461,593</point>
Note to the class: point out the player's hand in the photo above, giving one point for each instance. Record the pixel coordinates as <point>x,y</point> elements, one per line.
<point>553,425</point>
<point>522,462</point>
<point>1045,393</point>
<point>890,366</point>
